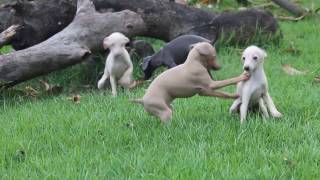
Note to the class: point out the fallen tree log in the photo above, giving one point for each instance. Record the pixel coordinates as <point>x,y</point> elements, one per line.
<point>165,20</point>
<point>8,35</point>
<point>39,19</point>
<point>290,7</point>
<point>70,46</point>
<point>154,18</point>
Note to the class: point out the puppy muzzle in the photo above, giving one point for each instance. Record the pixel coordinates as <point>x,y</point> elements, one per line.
<point>246,68</point>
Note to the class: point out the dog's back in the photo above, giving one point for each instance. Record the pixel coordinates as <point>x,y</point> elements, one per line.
<point>179,47</point>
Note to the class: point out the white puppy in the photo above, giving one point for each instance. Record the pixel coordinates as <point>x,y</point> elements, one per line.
<point>118,66</point>
<point>255,90</point>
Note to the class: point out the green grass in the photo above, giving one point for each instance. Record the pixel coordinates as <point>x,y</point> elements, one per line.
<point>50,137</point>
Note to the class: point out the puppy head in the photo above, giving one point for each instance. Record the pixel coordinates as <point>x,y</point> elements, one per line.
<point>146,62</point>
<point>207,54</point>
<point>115,40</point>
<point>252,58</point>
<point>150,63</point>
<point>147,68</point>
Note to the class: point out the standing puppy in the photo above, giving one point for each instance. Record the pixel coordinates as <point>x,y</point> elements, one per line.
<point>118,67</point>
<point>184,81</point>
<point>255,90</point>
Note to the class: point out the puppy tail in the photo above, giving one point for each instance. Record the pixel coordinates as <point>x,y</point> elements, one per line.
<point>138,101</point>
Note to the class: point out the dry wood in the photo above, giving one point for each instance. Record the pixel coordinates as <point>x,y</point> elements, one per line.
<point>7,36</point>
<point>292,8</point>
<point>70,46</point>
<point>153,18</point>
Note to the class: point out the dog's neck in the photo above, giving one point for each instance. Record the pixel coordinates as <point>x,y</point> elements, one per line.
<point>258,72</point>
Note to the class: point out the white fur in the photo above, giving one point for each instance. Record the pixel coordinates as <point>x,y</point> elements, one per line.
<point>118,67</point>
<point>255,90</point>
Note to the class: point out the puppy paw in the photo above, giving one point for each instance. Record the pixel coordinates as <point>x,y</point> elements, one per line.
<point>277,114</point>
<point>100,85</point>
<point>242,121</point>
<point>245,76</point>
<point>114,93</point>
<point>234,96</point>
<point>232,111</point>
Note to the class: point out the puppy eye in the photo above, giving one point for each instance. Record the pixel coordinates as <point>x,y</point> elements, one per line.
<point>255,58</point>
<point>243,58</point>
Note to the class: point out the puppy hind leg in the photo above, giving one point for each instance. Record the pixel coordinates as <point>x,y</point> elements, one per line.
<point>263,108</point>
<point>102,81</point>
<point>272,108</point>
<point>165,115</point>
<point>126,80</point>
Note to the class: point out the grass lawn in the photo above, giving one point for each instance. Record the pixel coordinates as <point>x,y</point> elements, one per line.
<point>109,138</point>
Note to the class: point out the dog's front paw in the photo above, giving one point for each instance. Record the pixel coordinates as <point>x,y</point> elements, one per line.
<point>234,96</point>
<point>245,76</point>
<point>277,114</point>
<point>232,111</point>
<point>100,84</point>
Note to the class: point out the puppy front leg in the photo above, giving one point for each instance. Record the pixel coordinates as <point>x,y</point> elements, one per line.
<point>228,82</point>
<point>235,106</point>
<point>244,106</point>
<point>263,108</point>
<point>219,94</point>
<point>113,86</point>
<point>272,108</point>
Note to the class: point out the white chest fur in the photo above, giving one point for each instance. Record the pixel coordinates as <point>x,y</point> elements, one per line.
<point>254,88</point>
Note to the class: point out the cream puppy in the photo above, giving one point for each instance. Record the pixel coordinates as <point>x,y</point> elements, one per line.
<point>255,90</point>
<point>118,66</point>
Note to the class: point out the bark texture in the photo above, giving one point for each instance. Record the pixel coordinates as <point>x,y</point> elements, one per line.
<point>70,46</point>
<point>165,20</point>
<point>39,20</point>
<point>289,6</point>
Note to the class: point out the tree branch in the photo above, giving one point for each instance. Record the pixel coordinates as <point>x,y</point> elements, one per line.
<point>292,8</point>
<point>8,35</point>
<point>70,46</point>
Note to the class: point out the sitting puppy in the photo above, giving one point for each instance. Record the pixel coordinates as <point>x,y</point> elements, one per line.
<point>118,67</point>
<point>184,81</point>
<point>171,55</point>
<point>255,90</point>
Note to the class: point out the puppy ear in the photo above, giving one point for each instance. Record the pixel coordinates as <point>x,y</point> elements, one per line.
<point>191,46</point>
<point>204,49</point>
<point>213,42</point>
<point>126,40</point>
<point>146,62</point>
<point>105,43</point>
<point>264,53</point>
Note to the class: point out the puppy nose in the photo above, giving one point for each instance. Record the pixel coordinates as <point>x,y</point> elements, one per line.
<point>246,68</point>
